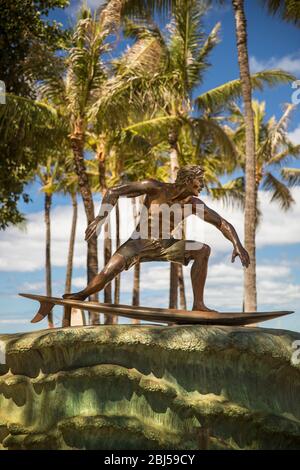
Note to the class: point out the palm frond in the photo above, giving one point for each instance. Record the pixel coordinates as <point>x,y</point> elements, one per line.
<point>147,55</point>
<point>133,8</point>
<point>86,70</point>
<point>291,175</point>
<point>109,15</point>
<point>188,45</point>
<point>289,10</point>
<point>31,124</point>
<point>231,193</point>
<point>290,152</point>
<point>155,130</point>
<point>278,132</point>
<point>209,129</point>
<point>53,89</point>
<point>212,40</point>
<point>280,192</point>
<point>138,80</point>
<point>222,95</point>
<point>274,146</point>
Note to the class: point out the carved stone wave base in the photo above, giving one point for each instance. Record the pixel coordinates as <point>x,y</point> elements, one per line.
<point>150,387</point>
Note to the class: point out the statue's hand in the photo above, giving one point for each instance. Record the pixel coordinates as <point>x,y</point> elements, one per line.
<point>243,254</point>
<point>92,229</point>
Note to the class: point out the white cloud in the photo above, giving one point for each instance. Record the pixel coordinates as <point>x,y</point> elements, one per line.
<point>79,282</point>
<point>294,136</point>
<point>16,321</point>
<point>95,3</point>
<point>289,63</point>
<point>25,250</point>
<point>33,286</point>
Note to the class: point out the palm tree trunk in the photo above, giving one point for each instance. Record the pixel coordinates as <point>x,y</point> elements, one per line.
<point>136,290</point>
<point>181,284</point>
<point>71,244</point>
<point>69,272</point>
<point>174,167</point>
<point>250,295</point>
<point>109,319</point>
<point>136,286</point>
<point>48,202</point>
<point>173,295</point>
<point>137,266</point>
<point>118,278</point>
<point>182,297</point>
<point>107,246</point>
<point>77,142</point>
<point>174,164</point>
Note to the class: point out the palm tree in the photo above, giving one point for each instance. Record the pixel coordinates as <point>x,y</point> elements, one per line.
<point>274,150</point>
<point>117,176</point>
<point>250,294</point>
<point>186,53</point>
<point>145,84</point>
<point>137,266</point>
<point>289,10</point>
<point>183,49</point>
<point>74,94</point>
<point>97,171</point>
<point>220,96</point>
<point>48,176</point>
<point>69,96</point>
<point>85,73</point>
<point>68,185</point>
<point>176,69</point>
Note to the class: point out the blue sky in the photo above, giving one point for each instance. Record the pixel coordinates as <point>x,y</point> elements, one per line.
<point>272,44</point>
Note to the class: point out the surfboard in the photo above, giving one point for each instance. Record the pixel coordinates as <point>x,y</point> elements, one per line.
<point>151,314</point>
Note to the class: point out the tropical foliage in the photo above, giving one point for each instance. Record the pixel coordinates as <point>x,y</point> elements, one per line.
<point>275,152</point>
<point>98,117</point>
<point>289,10</point>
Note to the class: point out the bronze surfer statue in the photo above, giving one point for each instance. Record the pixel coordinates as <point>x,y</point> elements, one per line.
<point>158,244</point>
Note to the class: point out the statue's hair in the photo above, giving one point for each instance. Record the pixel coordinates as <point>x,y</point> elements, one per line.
<point>187,173</point>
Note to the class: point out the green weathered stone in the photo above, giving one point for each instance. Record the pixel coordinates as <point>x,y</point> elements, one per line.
<point>150,387</point>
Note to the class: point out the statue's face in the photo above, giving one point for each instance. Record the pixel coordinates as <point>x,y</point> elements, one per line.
<point>197,185</point>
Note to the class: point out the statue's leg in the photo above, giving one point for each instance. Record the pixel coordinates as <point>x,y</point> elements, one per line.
<point>199,274</point>
<point>115,265</point>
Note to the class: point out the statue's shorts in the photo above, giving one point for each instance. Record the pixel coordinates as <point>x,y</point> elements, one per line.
<point>141,250</point>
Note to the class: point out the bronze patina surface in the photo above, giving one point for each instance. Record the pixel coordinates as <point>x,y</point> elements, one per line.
<point>159,315</point>
<point>163,247</point>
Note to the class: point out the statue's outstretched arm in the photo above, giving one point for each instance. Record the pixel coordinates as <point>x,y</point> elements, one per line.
<point>227,229</point>
<point>137,188</point>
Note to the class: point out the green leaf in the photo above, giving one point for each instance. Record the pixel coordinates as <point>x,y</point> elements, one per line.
<point>280,192</point>
<point>291,175</point>
<point>220,96</point>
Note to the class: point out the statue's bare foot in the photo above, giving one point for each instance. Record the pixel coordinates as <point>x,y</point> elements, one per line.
<point>75,296</point>
<point>203,308</point>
